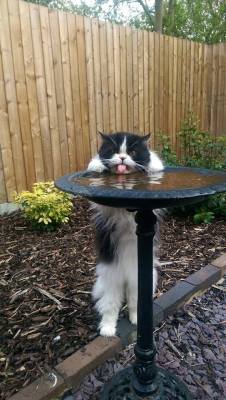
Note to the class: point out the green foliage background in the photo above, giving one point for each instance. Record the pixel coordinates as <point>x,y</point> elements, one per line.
<point>199,20</point>
<point>197,148</point>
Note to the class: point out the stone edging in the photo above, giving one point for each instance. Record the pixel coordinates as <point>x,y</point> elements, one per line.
<point>73,369</point>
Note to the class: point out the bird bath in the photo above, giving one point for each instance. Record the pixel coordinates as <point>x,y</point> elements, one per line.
<point>142,193</point>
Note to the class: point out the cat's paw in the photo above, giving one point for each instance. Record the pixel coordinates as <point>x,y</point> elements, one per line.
<point>133,317</point>
<point>96,165</point>
<point>108,330</point>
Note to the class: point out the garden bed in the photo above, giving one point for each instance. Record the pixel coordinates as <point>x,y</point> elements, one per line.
<point>46,279</point>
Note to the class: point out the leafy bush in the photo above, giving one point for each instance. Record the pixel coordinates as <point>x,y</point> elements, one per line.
<point>197,149</point>
<point>45,206</point>
<point>167,153</point>
<point>200,148</point>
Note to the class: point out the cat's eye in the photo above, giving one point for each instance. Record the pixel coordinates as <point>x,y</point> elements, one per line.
<point>133,153</point>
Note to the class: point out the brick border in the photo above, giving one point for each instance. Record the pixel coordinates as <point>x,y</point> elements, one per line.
<point>74,368</point>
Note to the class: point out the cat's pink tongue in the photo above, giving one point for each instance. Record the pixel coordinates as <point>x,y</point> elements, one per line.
<point>121,169</point>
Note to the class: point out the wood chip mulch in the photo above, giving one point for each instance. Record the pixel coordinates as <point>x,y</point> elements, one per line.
<point>46,312</point>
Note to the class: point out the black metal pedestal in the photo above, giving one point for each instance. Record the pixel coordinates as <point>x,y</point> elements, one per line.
<point>144,380</point>
<point>177,186</point>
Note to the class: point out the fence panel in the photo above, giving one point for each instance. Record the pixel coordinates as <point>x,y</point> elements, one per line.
<point>63,77</point>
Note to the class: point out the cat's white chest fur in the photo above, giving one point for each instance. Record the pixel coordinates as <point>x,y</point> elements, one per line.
<point>117,281</point>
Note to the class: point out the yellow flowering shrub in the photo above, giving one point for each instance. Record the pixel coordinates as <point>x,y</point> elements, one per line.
<point>46,207</point>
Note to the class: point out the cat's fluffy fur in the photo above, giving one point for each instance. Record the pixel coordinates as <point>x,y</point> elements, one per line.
<point>115,230</point>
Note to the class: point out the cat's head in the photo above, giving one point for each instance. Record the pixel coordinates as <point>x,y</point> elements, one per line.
<point>123,153</point>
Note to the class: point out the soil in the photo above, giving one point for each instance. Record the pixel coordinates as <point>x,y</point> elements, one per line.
<point>191,344</point>
<point>46,280</point>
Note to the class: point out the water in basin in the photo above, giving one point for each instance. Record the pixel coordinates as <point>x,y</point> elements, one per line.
<point>171,179</point>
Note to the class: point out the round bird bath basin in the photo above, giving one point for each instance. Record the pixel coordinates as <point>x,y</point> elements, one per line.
<point>142,193</point>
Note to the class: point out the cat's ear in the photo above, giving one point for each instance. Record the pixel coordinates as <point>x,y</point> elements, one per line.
<point>107,137</point>
<point>146,138</point>
<point>103,135</point>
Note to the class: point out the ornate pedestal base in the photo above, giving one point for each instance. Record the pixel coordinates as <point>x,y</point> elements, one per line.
<point>169,387</point>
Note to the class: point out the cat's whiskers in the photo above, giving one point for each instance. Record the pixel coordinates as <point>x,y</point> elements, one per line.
<point>107,161</point>
<point>142,167</point>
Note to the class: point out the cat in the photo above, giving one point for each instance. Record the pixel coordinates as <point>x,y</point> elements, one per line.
<point>120,153</point>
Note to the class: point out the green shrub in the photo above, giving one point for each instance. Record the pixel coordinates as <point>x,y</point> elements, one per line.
<point>45,207</point>
<point>197,149</point>
<point>167,153</point>
<point>200,148</point>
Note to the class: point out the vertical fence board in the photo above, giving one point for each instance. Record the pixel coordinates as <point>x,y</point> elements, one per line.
<point>179,85</point>
<point>41,91</point>
<point>191,76</point>
<point>129,77</point>
<point>195,81</point>
<point>78,141</point>
<point>83,87</point>
<point>7,178</point>
<point>60,95</point>
<point>170,95</point>
<point>199,87</point>
<point>220,90</point>
<point>214,94</point>
<point>104,75</point>
<point>97,77</point>
<point>156,86</point>
<point>146,86</point>
<point>209,85</point>
<point>69,114</point>
<point>32,91</point>
<point>51,91</point>
<point>204,110</point>
<point>140,45</point>
<point>135,83</point>
<point>123,59</point>
<point>187,79</point>
<point>3,195</point>
<point>90,85</point>
<point>224,97</point>
<point>161,83</point>
<point>21,90</point>
<point>165,84</point>
<point>175,73</point>
<point>151,71</point>
<point>111,77</point>
<point>183,82</point>
<point>11,98</point>
<point>116,47</point>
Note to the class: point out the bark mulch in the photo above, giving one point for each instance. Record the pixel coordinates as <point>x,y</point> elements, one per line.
<point>46,312</point>
<point>191,344</point>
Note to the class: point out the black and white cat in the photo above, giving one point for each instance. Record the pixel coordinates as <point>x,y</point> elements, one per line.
<point>120,153</point>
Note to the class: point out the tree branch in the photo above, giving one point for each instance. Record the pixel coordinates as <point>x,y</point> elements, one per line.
<point>147,11</point>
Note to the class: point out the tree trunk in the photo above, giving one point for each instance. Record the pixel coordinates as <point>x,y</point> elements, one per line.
<point>171,16</point>
<point>158,15</point>
<point>171,7</point>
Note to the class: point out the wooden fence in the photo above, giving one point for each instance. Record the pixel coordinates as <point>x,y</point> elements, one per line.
<point>63,77</point>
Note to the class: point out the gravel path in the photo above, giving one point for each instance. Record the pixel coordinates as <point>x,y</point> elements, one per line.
<point>192,344</point>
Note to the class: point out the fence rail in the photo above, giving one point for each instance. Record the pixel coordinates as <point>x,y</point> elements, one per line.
<point>63,77</point>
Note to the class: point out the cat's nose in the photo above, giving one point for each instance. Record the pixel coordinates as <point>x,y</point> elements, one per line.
<point>122,156</point>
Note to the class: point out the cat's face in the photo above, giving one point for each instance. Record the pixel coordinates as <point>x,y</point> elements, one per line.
<point>123,153</point>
